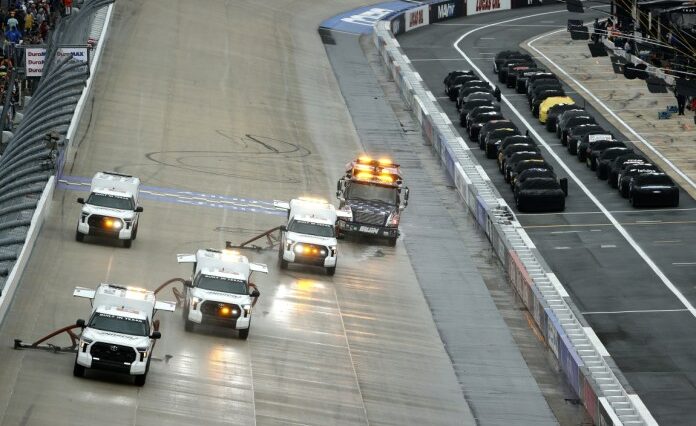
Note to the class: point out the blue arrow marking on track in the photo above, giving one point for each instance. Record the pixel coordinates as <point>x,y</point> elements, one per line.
<point>172,195</point>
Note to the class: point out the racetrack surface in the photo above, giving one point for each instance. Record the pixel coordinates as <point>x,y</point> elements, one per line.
<point>649,332</point>
<point>235,99</point>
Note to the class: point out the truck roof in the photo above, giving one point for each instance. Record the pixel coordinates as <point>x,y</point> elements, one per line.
<point>116,183</point>
<point>124,301</point>
<point>313,210</point>
<point>382,171</point>
<point>225,263</point>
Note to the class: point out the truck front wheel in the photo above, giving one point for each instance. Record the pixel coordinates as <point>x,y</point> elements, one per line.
<point>79,236</point>
<point>244,333</point>
<point>140,379</point>
<point>127,243</point>
<point>78,370</point>
<point>392,241</point>
<point>331,271</point>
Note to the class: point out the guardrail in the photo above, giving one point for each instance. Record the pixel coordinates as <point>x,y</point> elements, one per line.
<point>580,354</point>
<point>34,153</point>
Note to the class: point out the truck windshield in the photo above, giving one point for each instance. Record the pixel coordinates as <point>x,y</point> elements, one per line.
<point>110,201</point>
<point>307,228</point>
<point>359,191</point>
<point>225,285</point>
<point>119,324</point>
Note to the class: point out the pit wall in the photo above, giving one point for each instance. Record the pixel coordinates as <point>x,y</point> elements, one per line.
<point>100,29</point>
<point>584,361</point>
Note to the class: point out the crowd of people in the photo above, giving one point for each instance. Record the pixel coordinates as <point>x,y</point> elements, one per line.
<point>24,22</point>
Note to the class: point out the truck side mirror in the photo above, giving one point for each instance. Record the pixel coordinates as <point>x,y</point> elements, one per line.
<point>81,200</point>
<point>406,191</point>
<point>139,209</point>
<point>255,293</point>
<point>283,228</point>
<point>188,283</point>
<point>156,335</point>
<point>338,194</point>
<point>80,323</point>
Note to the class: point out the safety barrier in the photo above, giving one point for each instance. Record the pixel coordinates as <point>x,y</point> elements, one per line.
<point>37,150</point>
<point>581,356</point>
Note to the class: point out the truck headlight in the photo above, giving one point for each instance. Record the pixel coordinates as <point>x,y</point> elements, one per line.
<point>84,342</point>
<point>143,353</point>
<point>247,310</point>
<point>299,248</point>
<point>393,219</point>
<point>194,302</point>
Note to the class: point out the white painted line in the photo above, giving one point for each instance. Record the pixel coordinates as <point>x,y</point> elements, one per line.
<point>667,241</point>
<point>557,284</point>
<point>562,248</point>
<point>436,59</point>
<point>487,38</point>
<point>612,211</point>
<point>683,263</point>
<point>666,281</point>
<point>608,246</point>
<point>596,342</point>
<point>643,311</point>
<point>608,110</point>
<point>642,409</point>
<point>566,232</point>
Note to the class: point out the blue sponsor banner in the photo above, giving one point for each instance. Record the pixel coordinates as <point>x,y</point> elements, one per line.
<point>448,9</point>
<point>361,20</point>
<point>570,362</point>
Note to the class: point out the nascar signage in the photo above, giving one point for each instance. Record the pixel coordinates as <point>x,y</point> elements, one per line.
<point>35,57</point>
<point>446,10</point>
<point>416,18</point>
<point>474,7</point>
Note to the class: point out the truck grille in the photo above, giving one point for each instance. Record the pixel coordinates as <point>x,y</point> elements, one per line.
<point>114,353</point>
<point>368,218</point>
<point>97,220</point>
<point>215,309</point>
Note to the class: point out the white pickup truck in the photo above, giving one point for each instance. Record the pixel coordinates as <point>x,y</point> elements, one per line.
<point>309,237</point>
<point>119,335</point>
<point>220,291</point>
<point>112,209</point>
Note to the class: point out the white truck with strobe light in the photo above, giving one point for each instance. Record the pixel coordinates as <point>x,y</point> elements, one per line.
<point>220,291</point>
<point>112,209</point>
<point>119,335</point>
<point>309,237</point>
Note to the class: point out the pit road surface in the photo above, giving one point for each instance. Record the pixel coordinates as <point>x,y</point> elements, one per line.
<point>647,330</point>
<point>236,99</point>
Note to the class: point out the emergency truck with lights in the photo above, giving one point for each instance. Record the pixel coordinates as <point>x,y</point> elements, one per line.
<point>112,209</point>
<point>372,191</point>
<point>220,291</point>
<point>309,237</point>
<point>120,334</point>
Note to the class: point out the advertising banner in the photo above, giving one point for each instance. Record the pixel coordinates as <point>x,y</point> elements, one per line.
<point>570,363</point>
<point>474,7</point>
<point>526,3</point>
<point>35,57</point>
<point>416,18</point>
<point>589,398</point>
<point>444,10</point>
<point>398,25</point>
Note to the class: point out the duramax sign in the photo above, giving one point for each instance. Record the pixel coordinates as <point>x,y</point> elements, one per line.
<point>474,7</point>
<point>35,57</point>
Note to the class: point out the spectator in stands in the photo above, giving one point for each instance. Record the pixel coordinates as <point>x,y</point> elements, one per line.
<point>68,6</point>
<point>28,23</point>
<point>13,35</point>
<point>43,31</point>
<point>12,21</point>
